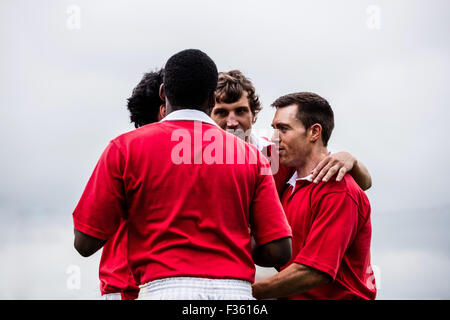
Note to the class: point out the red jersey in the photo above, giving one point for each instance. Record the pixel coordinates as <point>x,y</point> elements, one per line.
<point>331,233</point>
<point>114,272</point>
<point>187,215</point>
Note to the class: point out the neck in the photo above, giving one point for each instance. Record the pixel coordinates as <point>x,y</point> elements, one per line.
<point>169,108</point>
<point>311,161</point>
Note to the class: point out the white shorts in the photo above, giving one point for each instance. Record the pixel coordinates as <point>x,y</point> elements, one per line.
<point>188,288</point>
<point>112,296</point>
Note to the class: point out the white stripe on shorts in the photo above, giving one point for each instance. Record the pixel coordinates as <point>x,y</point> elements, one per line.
<point>189,288</point>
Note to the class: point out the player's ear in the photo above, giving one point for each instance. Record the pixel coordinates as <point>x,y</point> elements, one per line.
<point>162,94</point>
<point>315,132</point>
<point>162,112</point>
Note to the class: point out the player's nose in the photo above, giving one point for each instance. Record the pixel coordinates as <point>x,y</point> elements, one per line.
<point>232,123</point>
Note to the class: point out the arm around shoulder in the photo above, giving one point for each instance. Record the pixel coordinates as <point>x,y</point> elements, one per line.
<point>361,175</point>
<point>295,279</point>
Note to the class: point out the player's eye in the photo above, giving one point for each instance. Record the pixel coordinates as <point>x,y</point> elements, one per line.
<point>220,112</point>
<point>282,129</point>
<point>241,111</point>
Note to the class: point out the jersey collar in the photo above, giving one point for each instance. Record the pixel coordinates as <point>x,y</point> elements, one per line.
<point>293,180</point>
<point>189,115</point>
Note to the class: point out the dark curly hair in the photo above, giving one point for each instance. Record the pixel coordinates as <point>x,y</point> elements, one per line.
<point>230,87</point>
<point>190,79</point>
<point>144,103</point>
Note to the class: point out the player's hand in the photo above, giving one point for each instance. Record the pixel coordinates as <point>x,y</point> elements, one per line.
<point>334,164</point>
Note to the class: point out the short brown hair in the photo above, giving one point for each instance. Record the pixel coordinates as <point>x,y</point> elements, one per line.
<point>312,109</point>
<point>230,87</point>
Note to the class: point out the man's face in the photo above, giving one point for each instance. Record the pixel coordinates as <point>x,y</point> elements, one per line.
<point>236,117</point>
<point>291,136</point>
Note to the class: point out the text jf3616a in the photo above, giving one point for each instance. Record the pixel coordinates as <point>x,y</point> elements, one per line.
<point>231,309</point>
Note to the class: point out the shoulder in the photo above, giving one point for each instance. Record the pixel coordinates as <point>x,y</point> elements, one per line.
<point>347,187</point>
<point>137,134</point>
<point>331,186</point>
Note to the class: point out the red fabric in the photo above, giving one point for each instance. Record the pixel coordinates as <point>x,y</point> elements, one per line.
<point>332,232</point>
<point>114,273</point>
<point>183,219</point>
<point>282,177</point>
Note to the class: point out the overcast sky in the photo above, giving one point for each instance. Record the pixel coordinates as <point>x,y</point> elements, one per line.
<point>67,68</point>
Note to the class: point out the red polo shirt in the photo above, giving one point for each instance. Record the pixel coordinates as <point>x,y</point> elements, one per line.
<point>114,272</point>
<point>332,232</point>
<point>185,217</point>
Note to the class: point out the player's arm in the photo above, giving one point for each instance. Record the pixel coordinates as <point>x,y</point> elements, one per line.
<point>270,229</point>
<point>339,164</point>
<point>98,214</point>
<point>273,254</point>
<point>295,279</point>
<point>335,224</point>
<point>86,245</point>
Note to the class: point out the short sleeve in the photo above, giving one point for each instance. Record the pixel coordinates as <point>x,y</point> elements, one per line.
<point>267,219</point>
<point>335,221</point>
<point>102,204</point>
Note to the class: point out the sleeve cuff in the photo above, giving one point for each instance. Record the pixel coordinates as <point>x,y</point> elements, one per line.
<point>316,265</point>
<point>90,231</point>
<point>272,237</point>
